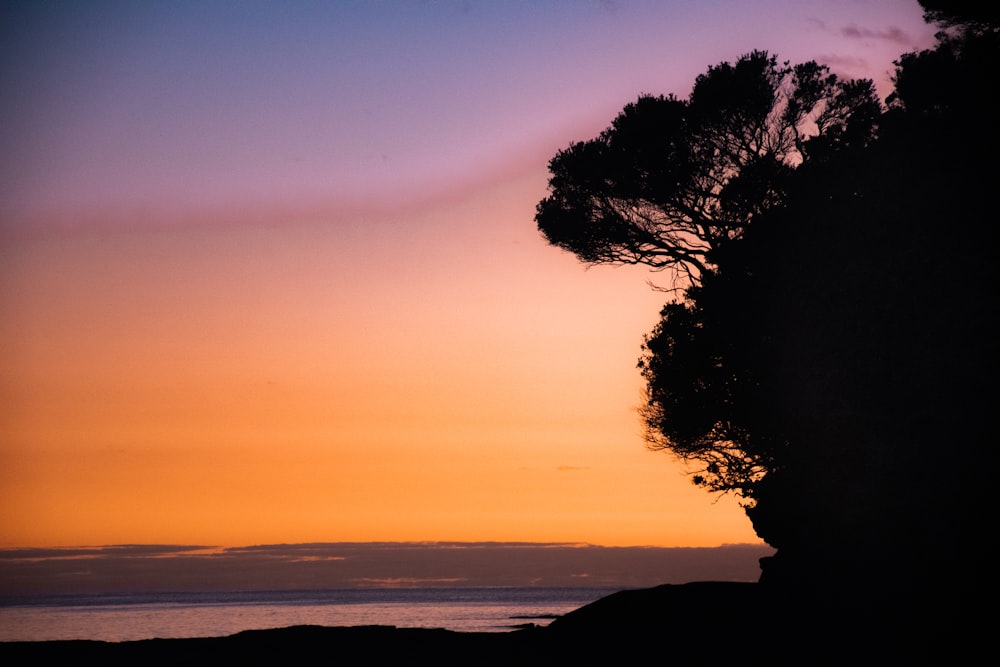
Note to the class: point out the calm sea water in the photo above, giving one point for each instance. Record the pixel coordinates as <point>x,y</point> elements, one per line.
<point>127,617</point>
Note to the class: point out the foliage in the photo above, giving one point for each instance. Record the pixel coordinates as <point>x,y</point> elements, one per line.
<point>835,349</point>
<point>672,181</point>
<point>969,13</point>
<point>675,184</point>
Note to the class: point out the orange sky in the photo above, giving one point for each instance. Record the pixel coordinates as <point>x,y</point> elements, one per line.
<point>247,384</point>
<point>274,277</point>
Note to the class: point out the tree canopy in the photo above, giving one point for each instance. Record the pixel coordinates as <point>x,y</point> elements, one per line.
<point>675,184</point>
<point>672,181</point>
<point>951,13</point>
<point>832,338</point>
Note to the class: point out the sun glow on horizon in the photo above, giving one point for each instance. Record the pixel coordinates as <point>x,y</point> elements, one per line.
<point>249,384</point>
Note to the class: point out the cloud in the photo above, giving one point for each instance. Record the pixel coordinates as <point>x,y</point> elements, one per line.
<point>113,551</point>
<point>894,35</point>
<point>844,62</point>
<point>408,582</point>
<point>120,569</point>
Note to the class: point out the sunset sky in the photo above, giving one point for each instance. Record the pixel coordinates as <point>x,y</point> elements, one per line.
<point>269,271</point>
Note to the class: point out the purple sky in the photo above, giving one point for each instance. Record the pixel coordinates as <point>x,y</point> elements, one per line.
<point>114,108</point>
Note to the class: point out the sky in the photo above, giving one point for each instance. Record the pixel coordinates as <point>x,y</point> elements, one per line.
<point>269,271</point>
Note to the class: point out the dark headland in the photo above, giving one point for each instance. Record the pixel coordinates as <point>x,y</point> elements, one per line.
<point>700,623</point>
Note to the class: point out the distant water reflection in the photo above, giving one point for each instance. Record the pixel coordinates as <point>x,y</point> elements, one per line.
<point>128,617</point>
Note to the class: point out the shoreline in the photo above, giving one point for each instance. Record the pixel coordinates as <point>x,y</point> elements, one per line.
<point>704,623</point>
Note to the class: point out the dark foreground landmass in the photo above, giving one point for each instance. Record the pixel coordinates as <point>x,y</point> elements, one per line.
<point>702,623</point>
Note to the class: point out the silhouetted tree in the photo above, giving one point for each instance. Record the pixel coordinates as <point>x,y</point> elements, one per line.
<point>835,355</point>
<point>673,184</point>
<point>835,349</point>
<point>970,13</point>
<point>671,181</point>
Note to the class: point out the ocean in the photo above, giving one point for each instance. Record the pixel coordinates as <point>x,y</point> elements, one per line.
<point>134,616</point>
